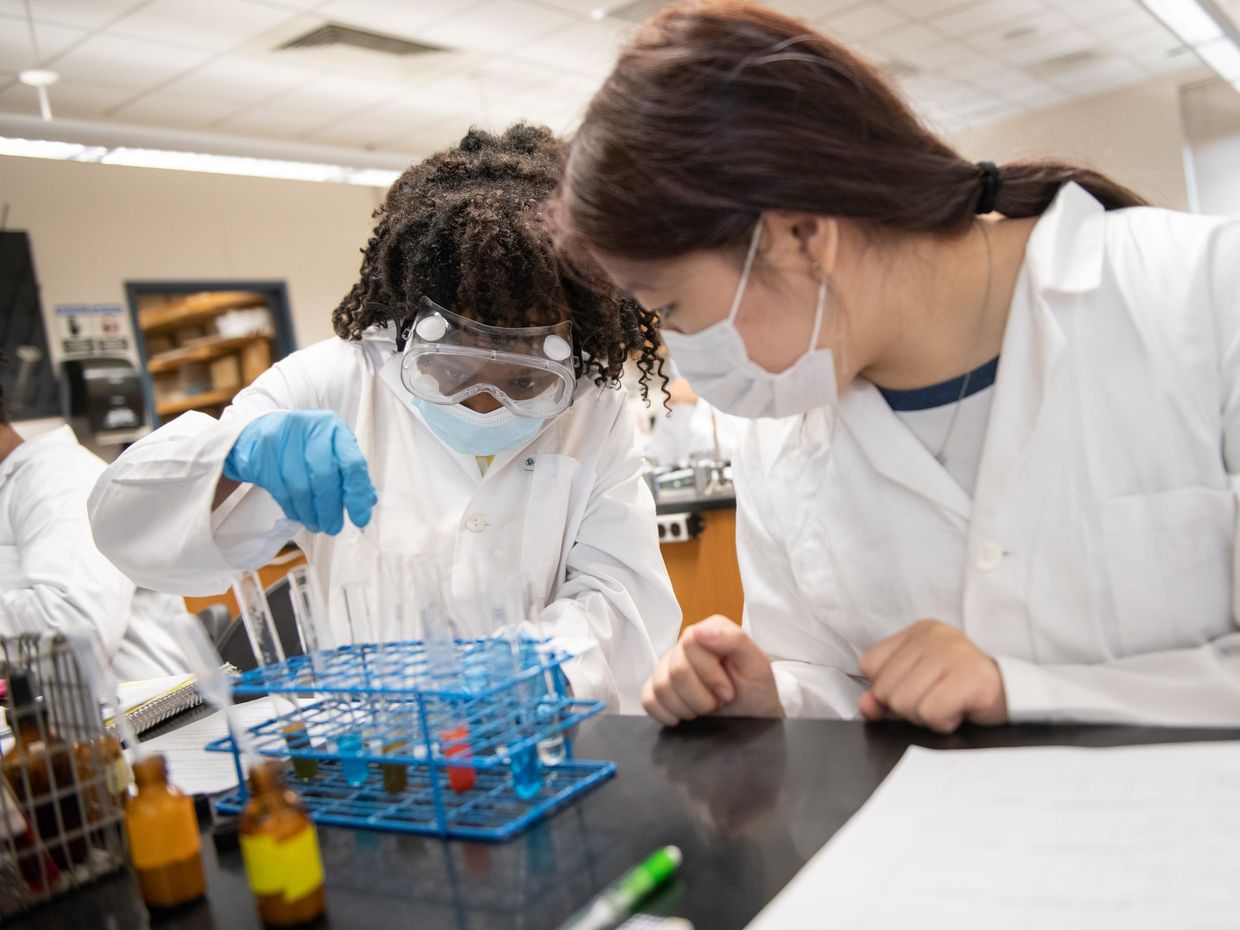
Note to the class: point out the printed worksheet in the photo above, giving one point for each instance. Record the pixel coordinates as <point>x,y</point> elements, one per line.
<point>1025,839</point>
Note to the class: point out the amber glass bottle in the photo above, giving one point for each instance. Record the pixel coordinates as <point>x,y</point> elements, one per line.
<point>39,769</point>
<point>164,843</point>
<point>281,850</point>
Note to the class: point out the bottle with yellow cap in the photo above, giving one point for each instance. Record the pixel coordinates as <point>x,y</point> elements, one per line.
<point>281,850</point>
<point>164,843</point>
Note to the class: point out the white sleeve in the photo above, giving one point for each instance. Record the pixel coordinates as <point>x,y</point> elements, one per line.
<point>809,670</point>
<point>72,587</point>
<point>1187,687</point>
<point>151,511</point>
<point>616,611</point>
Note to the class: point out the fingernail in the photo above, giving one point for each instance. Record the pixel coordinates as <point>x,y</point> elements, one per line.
<point>708,633</point>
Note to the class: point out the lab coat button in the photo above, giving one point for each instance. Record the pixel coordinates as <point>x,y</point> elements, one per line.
<point>476,524</point>
<point>990,556</point>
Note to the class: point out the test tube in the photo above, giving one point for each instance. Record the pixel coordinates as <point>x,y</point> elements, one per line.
<point>256,615</point>
<point>359,615</point>
<point>442,668</point>
<point>551,749</point>
<point>308,613</point>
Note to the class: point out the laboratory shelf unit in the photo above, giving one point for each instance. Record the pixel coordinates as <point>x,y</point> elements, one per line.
<point>469,739</point>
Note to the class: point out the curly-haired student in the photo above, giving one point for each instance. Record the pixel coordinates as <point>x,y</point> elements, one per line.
<point>469,395</point>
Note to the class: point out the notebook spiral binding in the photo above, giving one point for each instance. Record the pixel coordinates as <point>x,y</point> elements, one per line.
<point>155,711</point>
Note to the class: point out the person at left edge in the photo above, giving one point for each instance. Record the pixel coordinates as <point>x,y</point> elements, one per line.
<point>472,381</point>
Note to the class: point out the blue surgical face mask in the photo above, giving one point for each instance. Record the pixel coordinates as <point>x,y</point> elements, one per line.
<point>471,433</point>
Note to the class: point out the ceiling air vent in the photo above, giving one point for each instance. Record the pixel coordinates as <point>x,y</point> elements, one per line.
<point>335,35</point>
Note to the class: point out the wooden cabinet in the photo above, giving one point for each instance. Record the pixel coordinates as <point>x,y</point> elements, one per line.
<point>200,345</point>
<point>704,571</point>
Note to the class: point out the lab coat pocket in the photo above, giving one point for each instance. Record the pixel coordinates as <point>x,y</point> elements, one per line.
<point>1169,558</point>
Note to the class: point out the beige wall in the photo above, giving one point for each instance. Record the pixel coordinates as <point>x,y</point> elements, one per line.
<point>93,227</point>
<point>1134,134</point>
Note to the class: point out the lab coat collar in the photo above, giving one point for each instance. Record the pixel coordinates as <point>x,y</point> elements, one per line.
<point>894,451</point>
<point>60,436</point>
<point>1064,254</point>
<point>1065,251</point>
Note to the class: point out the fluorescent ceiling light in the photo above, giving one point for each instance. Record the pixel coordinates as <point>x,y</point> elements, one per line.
<point>223,164</point>
<point>38,148</point>
<point>1205,29</point>
<point>197,161</point>
<point>1223,56</point>
<point>1187,19</point>
<point>372,177</point>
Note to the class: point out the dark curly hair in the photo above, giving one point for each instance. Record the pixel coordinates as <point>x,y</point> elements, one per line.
<point>467,228</point>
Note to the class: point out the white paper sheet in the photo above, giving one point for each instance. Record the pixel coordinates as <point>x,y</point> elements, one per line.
<point>1025,839</point>
<point>190,767</point>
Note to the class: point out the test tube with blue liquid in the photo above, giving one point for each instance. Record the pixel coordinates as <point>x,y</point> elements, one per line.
<point>350,745</point>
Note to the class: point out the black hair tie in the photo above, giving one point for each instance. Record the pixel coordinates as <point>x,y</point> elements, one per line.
<point>990,186</point>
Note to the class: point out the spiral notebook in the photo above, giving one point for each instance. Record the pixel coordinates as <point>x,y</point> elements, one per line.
<point>150,702</point>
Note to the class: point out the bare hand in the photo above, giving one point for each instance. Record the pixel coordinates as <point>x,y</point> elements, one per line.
<point>933,675</point>
<point>714,669</point>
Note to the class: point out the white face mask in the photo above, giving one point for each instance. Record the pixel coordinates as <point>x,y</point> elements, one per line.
<point>717,365</point>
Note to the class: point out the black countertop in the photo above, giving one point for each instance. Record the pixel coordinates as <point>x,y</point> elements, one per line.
<point>747,801</point>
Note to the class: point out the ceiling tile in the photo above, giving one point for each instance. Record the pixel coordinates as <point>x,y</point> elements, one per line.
<point>860,22</point>
<point>16,51</point>
<point>1088,11</point>
<point>590,48</point>
<point>812,9</point>
<point>128,62</point>
<point>903,43</point>
<point>967,20</point>
<point>85,14</point>
<point>399,118</point>
<point>272,121</point>
<point>935,57</point>
<point>68,99</point>
<point>294,6</point>
<point>497,25</point>
<point>333,95</point>
<point>170,109</point>
<point>925,9</point>
<point>238,80</point>
<point>216,26</point>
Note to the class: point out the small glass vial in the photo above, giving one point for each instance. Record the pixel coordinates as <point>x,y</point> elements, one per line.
<point>39,769</point>
<point>164,842</point>
<point>281,850</point>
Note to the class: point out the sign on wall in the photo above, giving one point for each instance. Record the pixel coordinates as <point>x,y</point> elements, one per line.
<point>90,330</point>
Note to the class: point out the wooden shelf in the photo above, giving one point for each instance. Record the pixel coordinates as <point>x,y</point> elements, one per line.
<point>170,408</point>
<point>196,308</point>
<point>201,352</point>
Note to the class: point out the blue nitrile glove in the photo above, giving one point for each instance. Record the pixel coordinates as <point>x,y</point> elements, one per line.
<point>308,460</point>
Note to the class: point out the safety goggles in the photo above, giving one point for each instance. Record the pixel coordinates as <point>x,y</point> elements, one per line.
<point>449,358</point>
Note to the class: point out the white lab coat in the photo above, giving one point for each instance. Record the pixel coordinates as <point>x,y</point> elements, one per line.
<point>52,578</point>
<point>1096,558</point>
<point>570,510</point>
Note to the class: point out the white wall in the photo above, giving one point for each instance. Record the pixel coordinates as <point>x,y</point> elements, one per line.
<point>1212,122</point>
<point>1135,134</point>
<point>93,227</point>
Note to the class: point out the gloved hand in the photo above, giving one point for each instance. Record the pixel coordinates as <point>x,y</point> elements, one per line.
<point>308,460</point>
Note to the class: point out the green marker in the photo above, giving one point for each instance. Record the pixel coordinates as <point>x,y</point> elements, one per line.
<point>621,897</point>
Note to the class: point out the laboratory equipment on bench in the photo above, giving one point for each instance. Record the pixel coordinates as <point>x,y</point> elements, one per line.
<point>60,809</point>
<point>451,733</point>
